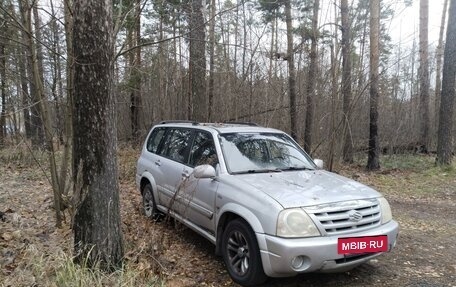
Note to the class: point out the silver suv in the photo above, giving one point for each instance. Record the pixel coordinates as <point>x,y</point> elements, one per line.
<point>268,208</point>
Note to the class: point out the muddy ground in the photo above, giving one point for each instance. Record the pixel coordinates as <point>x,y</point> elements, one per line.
<point>423,203</point>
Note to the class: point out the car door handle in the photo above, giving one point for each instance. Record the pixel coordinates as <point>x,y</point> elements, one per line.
<point>158,163</point>
<point>185,174</point>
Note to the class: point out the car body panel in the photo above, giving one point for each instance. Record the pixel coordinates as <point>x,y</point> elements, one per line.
<point>304,188</point>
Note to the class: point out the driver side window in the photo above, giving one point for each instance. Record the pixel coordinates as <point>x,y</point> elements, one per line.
<point>203,150</point>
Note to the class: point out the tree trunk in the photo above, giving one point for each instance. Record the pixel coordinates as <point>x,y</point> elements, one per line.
<point>197,62</point>
<point>424,77</point>
<point>43,106</point>
<point>438,70</point>
<point>70,61</point>
<point>373,162</point>
<point>97,225</point>
<point>3,92</point>
<point>291,71</point>
<point>35,116</point>
<point>24,93</point>
<point>346,82</point>
<point>39,61</point>
<point>445,133</point>
<point>211,62</point>
<point>135,95</point>
<point>311,80</point>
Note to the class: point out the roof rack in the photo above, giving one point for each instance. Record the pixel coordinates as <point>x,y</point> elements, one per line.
<point>194,123</point>
<point>242,123</point>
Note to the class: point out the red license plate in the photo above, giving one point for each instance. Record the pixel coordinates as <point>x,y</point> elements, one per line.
<point>368,244</point>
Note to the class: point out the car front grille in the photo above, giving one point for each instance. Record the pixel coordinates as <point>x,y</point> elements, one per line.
<point>346,217</point>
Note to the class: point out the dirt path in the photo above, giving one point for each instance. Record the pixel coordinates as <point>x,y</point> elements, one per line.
<point>425,254</point>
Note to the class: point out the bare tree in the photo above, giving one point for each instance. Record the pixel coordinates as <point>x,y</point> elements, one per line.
<point>35,117</point>
<point>346,81</point>
<point>424,77</point>
<point>97,227</point>
<point>445,133</point>
<point>291,70</point>
<point>3,92</point>
<point>135,77</point>
<point>211,61</point>
<point>42,101</point>
<point>438,69</point>
<point>197,62</point>
<point>311,81</point>
<point>373,162</point>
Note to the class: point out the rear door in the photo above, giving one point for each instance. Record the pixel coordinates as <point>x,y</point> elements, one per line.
<point>174,155</point>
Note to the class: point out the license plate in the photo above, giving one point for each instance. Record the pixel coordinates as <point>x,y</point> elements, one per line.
<point>367,244</point>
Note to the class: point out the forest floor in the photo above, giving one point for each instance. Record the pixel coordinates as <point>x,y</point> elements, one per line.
<point>34,253</point>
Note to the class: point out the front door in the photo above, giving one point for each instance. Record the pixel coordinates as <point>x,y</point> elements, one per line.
<point>199,194</point>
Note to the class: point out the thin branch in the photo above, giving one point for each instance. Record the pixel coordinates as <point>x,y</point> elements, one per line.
<point>121,53</point>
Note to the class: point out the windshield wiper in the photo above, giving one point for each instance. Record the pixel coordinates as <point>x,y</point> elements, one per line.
<point>297,168</point>
<point>258,171</point>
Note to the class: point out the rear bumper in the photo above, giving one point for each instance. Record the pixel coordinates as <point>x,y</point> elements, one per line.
<point>319,254</point>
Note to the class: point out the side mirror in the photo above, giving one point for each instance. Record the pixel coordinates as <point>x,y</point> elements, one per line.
<point>319,163</point>
<point>204,171</point>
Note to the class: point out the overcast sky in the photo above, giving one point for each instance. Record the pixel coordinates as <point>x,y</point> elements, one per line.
<point>404,25</point>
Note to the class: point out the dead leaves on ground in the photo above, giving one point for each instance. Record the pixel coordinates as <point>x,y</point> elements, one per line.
<point>182,258</point>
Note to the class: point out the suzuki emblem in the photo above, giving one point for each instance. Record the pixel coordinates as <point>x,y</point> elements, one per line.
<point>354,215</point>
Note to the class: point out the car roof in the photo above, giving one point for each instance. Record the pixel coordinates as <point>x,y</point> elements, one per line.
<point>228,127</point>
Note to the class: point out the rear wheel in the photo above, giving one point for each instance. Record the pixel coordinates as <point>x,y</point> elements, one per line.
<point>241,254</point>
<point>149,206</point>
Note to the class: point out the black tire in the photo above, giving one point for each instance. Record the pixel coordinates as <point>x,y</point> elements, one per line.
<point>149,205</point>
<point>241,254</point>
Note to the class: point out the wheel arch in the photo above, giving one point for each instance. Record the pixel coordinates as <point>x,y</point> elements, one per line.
<point>231,212</point>
<point>147,178</point>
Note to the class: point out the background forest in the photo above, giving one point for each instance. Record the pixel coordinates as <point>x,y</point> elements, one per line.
<point>301,66</point>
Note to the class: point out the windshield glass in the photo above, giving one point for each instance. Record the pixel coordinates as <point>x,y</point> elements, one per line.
<point>262,152</point>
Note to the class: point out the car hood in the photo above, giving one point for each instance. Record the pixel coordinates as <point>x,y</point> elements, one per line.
<point>307,188</point>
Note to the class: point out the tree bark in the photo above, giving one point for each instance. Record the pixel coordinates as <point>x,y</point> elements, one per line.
<point>135,95</point>
<point>373,162</point>
<point>424,119</point>
<point>97,225</point>
<point>438,70</point>
<point>445,133</point>
<point>311,81</point>
<point>291,70</point>
<point>346,81</point>
<point>211,62</point>
<point>3,92</point>
<point>197,62</point>
<point>24,92</point>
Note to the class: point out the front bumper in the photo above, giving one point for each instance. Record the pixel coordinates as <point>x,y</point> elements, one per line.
<point>319,253</point>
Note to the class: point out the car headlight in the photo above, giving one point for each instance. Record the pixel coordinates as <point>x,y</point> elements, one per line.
<point>295,222</point>
<point>386,210</point>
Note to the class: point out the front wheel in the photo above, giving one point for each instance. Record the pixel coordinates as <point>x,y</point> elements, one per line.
<point>149,206</point>
<point>241,254</point>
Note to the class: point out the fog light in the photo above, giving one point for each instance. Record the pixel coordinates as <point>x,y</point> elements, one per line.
<point>297,262</point>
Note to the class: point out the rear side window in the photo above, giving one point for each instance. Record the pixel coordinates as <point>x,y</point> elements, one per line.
<point>154,140</point>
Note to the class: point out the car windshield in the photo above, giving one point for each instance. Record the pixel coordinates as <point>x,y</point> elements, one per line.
<point>263,152</point>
